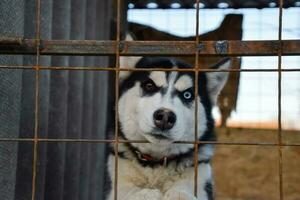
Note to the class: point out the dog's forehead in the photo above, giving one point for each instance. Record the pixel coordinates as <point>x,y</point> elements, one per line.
<point>184,82</point>
<point>176,80</point>
<point>159,78</point>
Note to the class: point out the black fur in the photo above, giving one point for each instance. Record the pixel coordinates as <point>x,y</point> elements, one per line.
<point>209,190</point>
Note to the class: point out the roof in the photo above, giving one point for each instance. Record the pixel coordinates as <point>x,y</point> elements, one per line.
<point>175,4</point>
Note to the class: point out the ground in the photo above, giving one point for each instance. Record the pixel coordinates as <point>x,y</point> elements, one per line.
<point>251,172</point>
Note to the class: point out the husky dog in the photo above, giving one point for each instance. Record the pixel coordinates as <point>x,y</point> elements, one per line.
<point>159,107</point>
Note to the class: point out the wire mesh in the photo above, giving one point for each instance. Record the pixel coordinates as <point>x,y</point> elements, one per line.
<point>118,37</point>
<point>119,48</point>
<point>36,108</point>
<point>279,101</point>
<point>196,103</point>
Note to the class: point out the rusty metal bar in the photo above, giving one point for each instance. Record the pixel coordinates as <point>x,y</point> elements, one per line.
<point>196,151</point>
<point>150,48</point>
<point>117,53</point>
<point>280,172</point>
<point>90,68</point>
<point>11,40</point>
<point>36,99</point>
<point>107,141</point>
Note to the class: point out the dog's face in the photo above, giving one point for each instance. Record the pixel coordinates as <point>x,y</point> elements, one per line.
<point>160,106</point>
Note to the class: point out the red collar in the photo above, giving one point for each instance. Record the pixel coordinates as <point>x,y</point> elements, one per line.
<point>148,159</point>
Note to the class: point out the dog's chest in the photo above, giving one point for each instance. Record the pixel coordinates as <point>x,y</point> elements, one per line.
<point>146,177</point>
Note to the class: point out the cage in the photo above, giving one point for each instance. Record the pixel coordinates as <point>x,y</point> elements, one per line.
<point>59,68</point>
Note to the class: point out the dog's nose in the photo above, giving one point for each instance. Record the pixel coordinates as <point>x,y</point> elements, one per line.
<point>164,119</point>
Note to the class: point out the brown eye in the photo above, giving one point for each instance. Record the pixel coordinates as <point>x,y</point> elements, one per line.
<point>149,87</point>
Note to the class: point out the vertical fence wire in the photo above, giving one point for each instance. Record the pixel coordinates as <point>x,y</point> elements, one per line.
<point>118,27</point>
<point>279,145</point>
<point>37,94</point>
<point>196,102</point>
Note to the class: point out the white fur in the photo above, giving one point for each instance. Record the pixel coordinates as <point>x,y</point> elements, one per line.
<point>171,82</point>
<point>127,62</point>
<point>170,183</point>
<point>136,117</point>
<point>175,181</point>
<point>159,78</point>
<point>217,80</point>
<point>183,83</point>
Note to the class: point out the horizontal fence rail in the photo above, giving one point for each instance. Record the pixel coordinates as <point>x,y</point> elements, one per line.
<point>101,141</point>
<point>149,48</point>
<point>103,68</point>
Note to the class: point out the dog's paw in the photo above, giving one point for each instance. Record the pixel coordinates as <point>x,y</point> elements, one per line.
<point>147,194</point>
<point>178,195</point>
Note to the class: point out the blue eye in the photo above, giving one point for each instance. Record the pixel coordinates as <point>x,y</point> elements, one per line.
<point>187,95</point>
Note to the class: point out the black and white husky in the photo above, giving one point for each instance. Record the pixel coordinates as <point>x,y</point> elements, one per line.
<point>159,107</point>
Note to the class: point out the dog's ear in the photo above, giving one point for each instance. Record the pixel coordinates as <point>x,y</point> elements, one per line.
<point>127,61</point>
<point>216,80</point>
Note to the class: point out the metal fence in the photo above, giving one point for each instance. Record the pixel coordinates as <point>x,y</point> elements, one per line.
<point>38,104</point>
<point>39,47</point>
